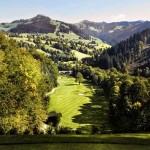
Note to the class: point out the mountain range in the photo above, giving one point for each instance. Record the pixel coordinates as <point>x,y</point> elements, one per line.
<point>110,33</point>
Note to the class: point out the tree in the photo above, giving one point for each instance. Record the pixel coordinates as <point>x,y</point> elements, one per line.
<point>25,80</point>
<point>79,77</point>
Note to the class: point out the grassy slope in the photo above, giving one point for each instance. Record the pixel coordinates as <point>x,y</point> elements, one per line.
<point>71,146</point>
<point>24,39</point>
<point>70,36</point>
<point>76,142</point>
<point>66,100</point>
<point>80,55</point>
<point>101,44</point>
<point>78,104</point>
<point>9,26</point>
<point>127,138</point>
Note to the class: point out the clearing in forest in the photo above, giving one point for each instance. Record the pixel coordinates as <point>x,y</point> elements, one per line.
<point>78,104</point>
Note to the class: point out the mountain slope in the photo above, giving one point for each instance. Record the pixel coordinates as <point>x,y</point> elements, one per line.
<point>38,24</point>
<point>42,24</point>
<point>113,32</point>
<point>131,55</point>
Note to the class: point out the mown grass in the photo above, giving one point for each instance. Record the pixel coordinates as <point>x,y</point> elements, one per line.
<point>74,147</point>
<point>76,142</point>
<point>95,113</point>
<point>79,105</point>
<point>68,99</point>
<point>127,138</point>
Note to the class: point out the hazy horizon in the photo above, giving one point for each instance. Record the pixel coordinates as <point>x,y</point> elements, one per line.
<point>76,11</point>
<point>74,22</point>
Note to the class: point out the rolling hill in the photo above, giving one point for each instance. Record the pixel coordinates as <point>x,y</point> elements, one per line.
<point>42,24</point>
<point>111,33</point>
<point>84,35</point>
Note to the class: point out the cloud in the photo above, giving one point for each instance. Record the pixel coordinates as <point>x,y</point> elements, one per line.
<point>118,17</point>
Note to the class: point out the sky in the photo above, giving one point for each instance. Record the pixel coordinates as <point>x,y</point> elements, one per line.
<point>73,11</point>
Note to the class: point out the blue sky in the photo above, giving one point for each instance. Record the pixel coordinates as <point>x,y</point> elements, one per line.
<point>73,11</point>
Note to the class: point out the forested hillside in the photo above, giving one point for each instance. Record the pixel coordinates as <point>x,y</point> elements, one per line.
<point>128,98</point>
<point>64,49</point>
<point>113,32</point>
<point>25,78</point>
<point>131,55</point>
<point>28,75</point>
<point>42,24</point>
<point>76,78</point>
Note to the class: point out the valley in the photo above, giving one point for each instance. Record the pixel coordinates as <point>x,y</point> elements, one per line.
<point>70,83</point>
<point>64,49</point>
<point>93,106</point>
<point>81,105</point>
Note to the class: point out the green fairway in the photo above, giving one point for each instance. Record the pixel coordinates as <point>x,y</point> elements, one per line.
<point>68,99</point>
<point>78,104</point>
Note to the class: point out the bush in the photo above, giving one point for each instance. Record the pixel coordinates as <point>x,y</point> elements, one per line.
<point>95,130</point>
<point>65,130</point>
<point>83,130</point>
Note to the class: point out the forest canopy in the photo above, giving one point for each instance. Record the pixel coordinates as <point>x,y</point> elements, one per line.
<point>25,78</point>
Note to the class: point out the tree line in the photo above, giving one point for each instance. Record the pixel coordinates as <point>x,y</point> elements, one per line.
<point>128,96</point>
<point>125,53</point>
<point>26,77</point>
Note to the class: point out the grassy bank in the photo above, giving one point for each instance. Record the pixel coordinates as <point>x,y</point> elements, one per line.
<point>76,142</point>
<point>74,147</point>
<point>132,139</point>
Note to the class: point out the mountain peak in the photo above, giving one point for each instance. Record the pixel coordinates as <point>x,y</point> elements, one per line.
<point>40,16</point>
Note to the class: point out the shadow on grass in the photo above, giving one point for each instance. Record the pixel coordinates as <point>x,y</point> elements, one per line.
<point>94,113</point>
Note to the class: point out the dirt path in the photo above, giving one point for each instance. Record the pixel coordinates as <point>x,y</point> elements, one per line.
<point>52,91</point>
